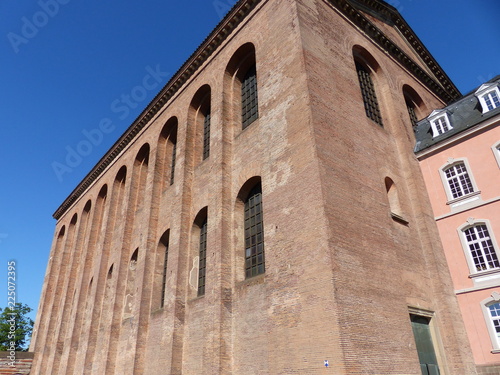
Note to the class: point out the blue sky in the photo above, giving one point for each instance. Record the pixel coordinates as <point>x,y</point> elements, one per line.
<point>67,68</point>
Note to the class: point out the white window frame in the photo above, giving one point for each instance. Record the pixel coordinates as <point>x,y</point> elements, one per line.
<point>440,122</point>
<point>442,171</point>
<point>496,151</point>
<point>485,307</point>
<point>485,91</point>
<point>471,222</point>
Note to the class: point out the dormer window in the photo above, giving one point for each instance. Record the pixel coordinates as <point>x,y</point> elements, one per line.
<point>440,122</point>
<point>489,96</point>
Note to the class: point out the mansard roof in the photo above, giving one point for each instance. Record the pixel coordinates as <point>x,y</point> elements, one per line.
<point>464,114</point>
<point>439,83</point>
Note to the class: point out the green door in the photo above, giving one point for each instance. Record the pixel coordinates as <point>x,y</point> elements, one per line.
<point>425,348</point>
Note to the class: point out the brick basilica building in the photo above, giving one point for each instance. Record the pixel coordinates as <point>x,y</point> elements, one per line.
<point>265,214</point>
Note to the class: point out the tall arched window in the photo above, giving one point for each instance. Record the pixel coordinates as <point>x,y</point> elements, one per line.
<point>249,99</point>
<point>129,307</point>
<point>200,116</point>
<point>164,245</point>
<point>366,66</point>
<point>481,248</point>
<point>198,273</point>
<point>140,174</point>
<point>414,105</point>
<point>167,151</point>
<point>368,93</point>
<point>160,282</point>
<point>203,258</point>
<point>254,233</point>
<point>458,180</point>
<point>491,311</point>
<point>394,201</point>
<point>241,71</point>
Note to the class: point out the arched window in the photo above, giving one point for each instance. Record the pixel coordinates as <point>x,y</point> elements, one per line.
<point>491,311</point>
<point>394,202</point>
<point>197,276</point>
<point>203,258</point>
<point>166,152</point>
<point>242,72</point>
<point>129,307</point>
<point>496,151</point>
<point>249,99</point>
<point>254,233</point>
<point>366,66</point>
<point>458,180</point>
<point>164,246</point>
<point>494,310</point>
<point>414,105</point>
<point>160,272</point>
<point>200,116</point>
<point>480,246</point>
<point>489,96</point>
<point>140,174</point>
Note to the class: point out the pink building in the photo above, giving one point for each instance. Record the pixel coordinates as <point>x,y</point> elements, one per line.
<point>459,152</point>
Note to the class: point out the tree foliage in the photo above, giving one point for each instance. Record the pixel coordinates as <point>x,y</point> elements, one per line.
<point>15,328</point>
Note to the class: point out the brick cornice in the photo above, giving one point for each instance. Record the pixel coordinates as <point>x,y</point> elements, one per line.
<point>443,87</point>
<point>350,8</point>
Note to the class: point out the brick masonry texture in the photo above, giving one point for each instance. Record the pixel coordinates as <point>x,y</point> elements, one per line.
<point>22,364</point>
<point>488,370</point>
<point>341,273</point>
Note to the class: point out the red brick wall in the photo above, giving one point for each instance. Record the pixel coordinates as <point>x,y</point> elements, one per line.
<point>22,363</point>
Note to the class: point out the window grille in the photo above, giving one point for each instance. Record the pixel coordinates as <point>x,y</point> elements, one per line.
<point>441,125</point>
<point>249,100</point>
<point>203,259</point>
<point>481,248</point>
<point>495,318</point>
<point>164,277</point>
<point>458,180</point>
<point>412,114</point>
<point>368,92</point>
<point>172,166</point>
<point>491,99</point>
<point>206,136</point>
<point>254,233</point>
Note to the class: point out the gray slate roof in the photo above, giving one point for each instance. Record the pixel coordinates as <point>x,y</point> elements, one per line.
<point>464,114</point>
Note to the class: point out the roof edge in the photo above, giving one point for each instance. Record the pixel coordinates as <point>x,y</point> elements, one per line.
<point>445,89</point>
<point>220,33</point>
